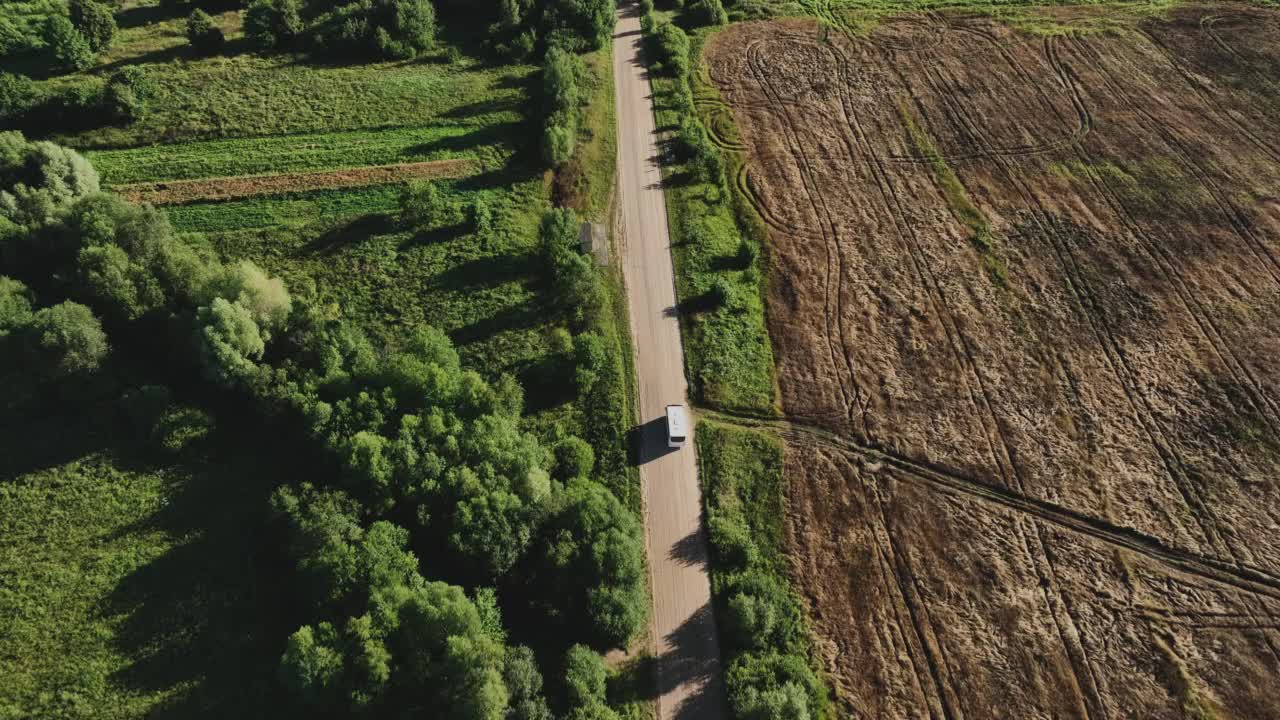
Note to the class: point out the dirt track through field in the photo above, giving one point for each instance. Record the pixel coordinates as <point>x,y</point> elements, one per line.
<point>180,192</point>
<point>1025,301</point>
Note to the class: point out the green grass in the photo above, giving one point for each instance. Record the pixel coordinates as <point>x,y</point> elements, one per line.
<point>302,153</point>
<point>727,350</point>
<point>129,584</point>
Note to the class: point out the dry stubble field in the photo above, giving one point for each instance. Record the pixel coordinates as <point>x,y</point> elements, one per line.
<point>1025,303</point>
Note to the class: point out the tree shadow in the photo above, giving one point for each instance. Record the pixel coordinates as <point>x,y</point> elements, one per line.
<point>487,135</point>
<point>351,232</point>
<point>213,612</point>
<point>437,235</point>
<point>523,315</point>
<point>140,15</point>
<point>483,107</point>
<point>690,550</point>
<point>485,272</point>
<point>546,383</point>
<point>693,662</point>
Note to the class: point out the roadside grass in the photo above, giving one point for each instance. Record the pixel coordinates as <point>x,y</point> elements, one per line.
<point>741,473</point>
<point>730,361</point>
<point>586,182</point>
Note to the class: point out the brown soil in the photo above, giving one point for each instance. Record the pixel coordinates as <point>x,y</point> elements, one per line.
<point>179,192</point>
<point>1025,295</point>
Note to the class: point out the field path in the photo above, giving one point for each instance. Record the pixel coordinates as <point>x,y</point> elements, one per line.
<point>684,633</point>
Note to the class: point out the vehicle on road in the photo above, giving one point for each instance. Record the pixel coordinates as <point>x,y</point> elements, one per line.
<point>677,426</point>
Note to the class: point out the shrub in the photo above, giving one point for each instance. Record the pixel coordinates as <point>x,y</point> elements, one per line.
<point>95,21</point>
<point>67,340</point>
<point>672,46</point>
<point>731,538</point>
<point>70,49</point>
<point>560,106</point>
<point>584,676</point>
<point>574,458</point>
<point>127,93</point>
<point>558,143</point>
<point>646,7</point>
<point>708,12</point>
<point>18,95</point>
<point>205,37</point>
<point>773,686</point>
<point>422,205</point>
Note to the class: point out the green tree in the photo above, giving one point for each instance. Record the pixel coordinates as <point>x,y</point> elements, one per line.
<point>15,305</point>
<point>230,341</point>
<point>95,21</point>
<point>275,24</point>
<point>773,686</point>
<point>524,683</point>
<point>127,93</point>
<point>574,458</point>
<point>67,340</point>
<point>423,205</point>
<point>265,297</point>
<point>584,676</point>
<point>70,49</point>
<point>205,37</point>
<point>588,567</point>
<point>708,12</point>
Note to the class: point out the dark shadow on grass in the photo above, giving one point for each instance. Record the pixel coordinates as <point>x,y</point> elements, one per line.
<point>214,610</point>
<point>483,107</point>
<point>140,15</point>
<point>437,235</point>
<point>487,135</point>
<point>162,55</point>
<point>351,232</point>
<point>485,272</point>
<point>546,384</point>
<point>519,316</point>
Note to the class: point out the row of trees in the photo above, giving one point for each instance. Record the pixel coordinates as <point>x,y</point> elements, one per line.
<point>377,28</point>
<point>72,40</point>
<point>418,457</point>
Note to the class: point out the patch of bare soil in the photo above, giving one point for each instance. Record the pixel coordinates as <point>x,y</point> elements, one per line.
<point>180,192</point>
<point>1047,271</point>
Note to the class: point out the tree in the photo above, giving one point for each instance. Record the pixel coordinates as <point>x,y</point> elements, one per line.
<point>38,179</point>
<point>275,24</point>
<point>773,686</point>
<point>762,614</point>
<point>205,37</point>
<point>584,676</point>
<point>673,49</point>
<point>579,25</point>
<point>95,21</point>
<point>70,49</point>
<point>422,205</point>
<point>15,305</point>
<point>265,297</point>
<point>18,94</point>
<point>403,28</point>
<point>708,12</point>
<point>560,106</point>
<point>588,570</point>
<point>230,341</point>
<point>524,683</point>
<point>67,340</point>
<point>574,458</point>
<point>313,664</point>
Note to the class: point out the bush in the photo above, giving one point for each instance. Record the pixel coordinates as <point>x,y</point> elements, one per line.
<point>672,45</point>
<point>646,7</point>
<point>708,12</point>
<point>558,142</point>
<point>95,21</point>
<point>773,686</point>
<point>18,95</point>
<point>275,24</point>
<point>127,93</point>
<point>584,676</point>
<point>66,340</point>
<point>574,458</point>
<point>560,106</point>
<point>205,37</point>
<point>423,206</point>
<point>70,49</point>
<point>731,539</point>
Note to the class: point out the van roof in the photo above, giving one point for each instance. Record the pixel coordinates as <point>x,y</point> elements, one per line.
<point>675,419</point>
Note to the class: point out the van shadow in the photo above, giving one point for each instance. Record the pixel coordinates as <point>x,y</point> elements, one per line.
<point>648,442</point>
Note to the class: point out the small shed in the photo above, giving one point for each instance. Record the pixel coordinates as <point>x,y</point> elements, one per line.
<point>595,242</point>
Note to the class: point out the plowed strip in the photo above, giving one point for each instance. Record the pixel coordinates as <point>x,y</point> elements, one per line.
<point>181,192</point>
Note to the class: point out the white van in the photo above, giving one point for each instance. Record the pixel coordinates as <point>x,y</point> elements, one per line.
<point>677,426</point>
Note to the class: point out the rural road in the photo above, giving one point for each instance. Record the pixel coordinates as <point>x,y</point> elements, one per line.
<point>688,654</point>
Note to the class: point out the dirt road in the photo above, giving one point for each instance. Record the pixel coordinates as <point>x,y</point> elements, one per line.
<point>685,642</point>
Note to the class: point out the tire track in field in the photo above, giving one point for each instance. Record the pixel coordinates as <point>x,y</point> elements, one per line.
<point>1259,398</point>
<point>1174,143</point>
<point>1037,547</point>
<point>1255,582</point>
<point>922,633</point>
<point>826,227</point>
<point>1213,109</point>
<point>1232,214</point>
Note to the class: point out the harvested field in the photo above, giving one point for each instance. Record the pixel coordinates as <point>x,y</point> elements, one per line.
<point>1024,300</point>
<point>180,192</point>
